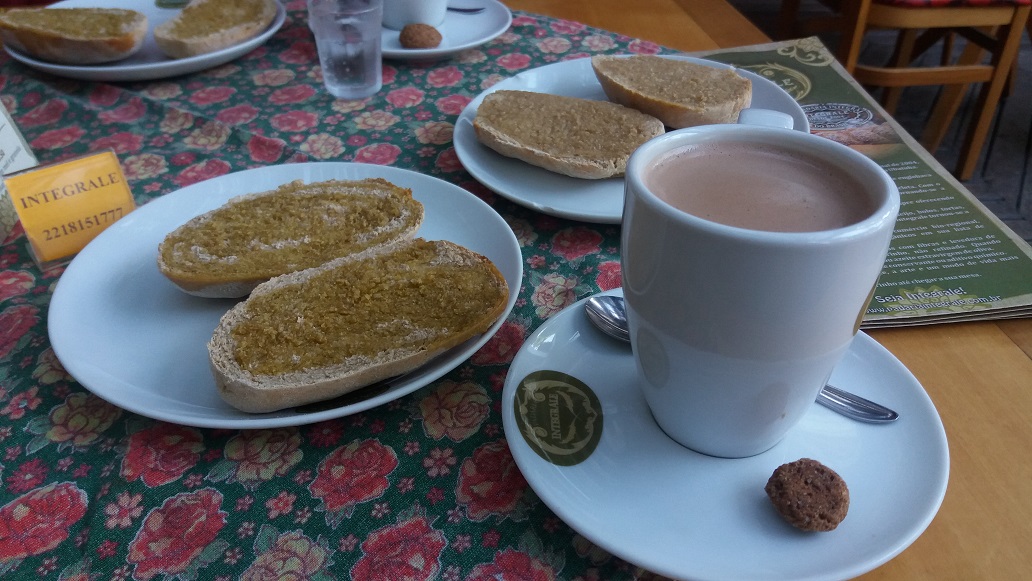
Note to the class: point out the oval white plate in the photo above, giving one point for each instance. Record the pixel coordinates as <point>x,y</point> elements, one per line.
<point>127,334</point>
<point>458,33</point>
<point>599,201</point>
<point>681,514</point>
<point>149,63</point>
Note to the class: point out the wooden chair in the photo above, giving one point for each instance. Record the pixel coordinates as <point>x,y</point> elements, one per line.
<point>991,31</point>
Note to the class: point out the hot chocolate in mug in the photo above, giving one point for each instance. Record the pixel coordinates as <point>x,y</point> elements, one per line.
<point>749,255</point>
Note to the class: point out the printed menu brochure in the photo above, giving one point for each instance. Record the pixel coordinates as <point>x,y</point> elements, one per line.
<point>950,259</point>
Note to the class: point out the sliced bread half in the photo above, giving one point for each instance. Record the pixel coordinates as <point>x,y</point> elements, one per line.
<point>205,26</point>
<point>680,93</point>
<point>74,36</point>
<point>323,332</point>
<point>581,138</point>
<point>251,238</point>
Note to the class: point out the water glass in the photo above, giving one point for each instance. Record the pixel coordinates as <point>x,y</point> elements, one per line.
<point>347,34</point>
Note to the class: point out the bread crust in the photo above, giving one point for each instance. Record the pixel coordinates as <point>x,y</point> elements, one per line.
<point>265,393</point>
<point>241,20</point>
<point>679,93</point>
<point>44,33</point>
<point>580,138</point>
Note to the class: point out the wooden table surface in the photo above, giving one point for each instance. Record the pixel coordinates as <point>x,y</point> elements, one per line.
<point>979,375</point>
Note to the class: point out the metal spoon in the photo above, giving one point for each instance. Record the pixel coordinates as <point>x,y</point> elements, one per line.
<point>609,314</point>
<point>465,10</point>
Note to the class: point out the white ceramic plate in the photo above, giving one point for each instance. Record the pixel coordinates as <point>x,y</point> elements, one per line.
<point>599,201</point>
<point>149,63</point>
<point>130,336</point>
<point>458,33</point>
<point>685,515</point>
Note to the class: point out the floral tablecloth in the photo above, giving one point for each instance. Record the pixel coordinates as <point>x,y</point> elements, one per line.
<point>422,488</point>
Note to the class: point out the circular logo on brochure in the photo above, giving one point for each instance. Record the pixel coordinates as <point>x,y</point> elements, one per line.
<point>826,116</point>
<point>559,416</point>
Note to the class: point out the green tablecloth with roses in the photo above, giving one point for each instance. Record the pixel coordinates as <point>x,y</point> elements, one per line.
<point>421,488</point>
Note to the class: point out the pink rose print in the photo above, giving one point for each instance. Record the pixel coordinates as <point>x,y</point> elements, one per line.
<point>131,111</point>
<point>512,564</point>
<point>175,534</point>
<point>15,321</point>
<point>554,45</point>
<point>291,556</point>
<point>265,149</point>
<point>643,47</point>
<point>378,153</point>
<point>435,132</point>
<point>609,275</point>
<point>409,550</point>
<point>48,369</point>
<point>568,27</point>
<point>81,419</point>
<point>501,348</point>
<point>599,43</point>
<point>452,104</point>
<point>375,120</point>
<point>294,121</point>
<point>405,97</point>
<point>323,146</point>
<point>448,161</point>
<point>212,95</point>
<point>122,142</point>
<point>38,521</point>
<point>292,95</point>
<point>104,96</point>
<point>554,293</point>
<point>489,482</point>
<point>577,242</point>
<point>209,136</point>
<point>202,171</point>
<point>261,455</point>
<point>299,53</point>
<point>144,166</point>
<point>444,77</point>
<point>238,115</point>
<point>274,78</point>
<point>20,402</point>
<point>514,61</point>
<point>352,474</point>
<point>176,121</point>
<point>161,454</point>
<point>49,112</point>
<point>14,283</point>
<point>455,410</point>
<point>58,138</point>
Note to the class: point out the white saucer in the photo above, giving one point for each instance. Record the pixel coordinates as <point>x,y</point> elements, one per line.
<point>127,334</point>
<point>685,515</point>
<point>598,201</point>
<point>458,33</point>
<point>149,63</point>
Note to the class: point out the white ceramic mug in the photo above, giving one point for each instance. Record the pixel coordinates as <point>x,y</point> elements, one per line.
<point>398,13</point>
<point>735,330</point>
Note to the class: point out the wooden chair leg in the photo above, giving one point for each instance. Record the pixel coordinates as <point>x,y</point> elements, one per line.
<point>904,55</point>
<point>989,96</point>
<point>948,103</point>
<point>855,13</point>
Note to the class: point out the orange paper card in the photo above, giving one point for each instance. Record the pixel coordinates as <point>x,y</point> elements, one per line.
<point>64,206</point>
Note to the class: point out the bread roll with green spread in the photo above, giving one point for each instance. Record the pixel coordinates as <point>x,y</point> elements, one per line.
<point>320,333</point>
<point>228,251</point>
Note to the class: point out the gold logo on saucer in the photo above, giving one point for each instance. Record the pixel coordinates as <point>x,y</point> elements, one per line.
<point>559,416</point>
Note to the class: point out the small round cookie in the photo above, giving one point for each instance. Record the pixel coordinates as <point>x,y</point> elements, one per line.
<point>809,495</point>
<point>419,36</point>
